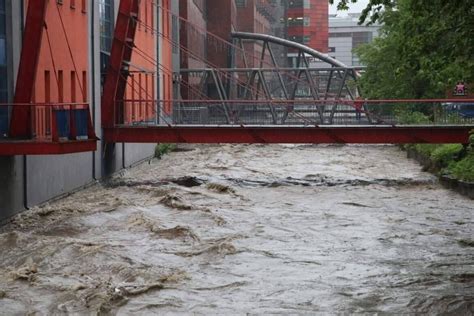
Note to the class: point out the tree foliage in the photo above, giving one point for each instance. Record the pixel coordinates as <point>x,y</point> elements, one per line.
<point>373,10</point>
<point>424,48</point>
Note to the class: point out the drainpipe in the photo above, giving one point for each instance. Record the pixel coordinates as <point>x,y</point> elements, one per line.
<point>92,75</point>
<point>25,157</point>
<point>25,182</point>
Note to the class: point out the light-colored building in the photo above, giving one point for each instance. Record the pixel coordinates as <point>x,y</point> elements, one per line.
<point>345,34</point>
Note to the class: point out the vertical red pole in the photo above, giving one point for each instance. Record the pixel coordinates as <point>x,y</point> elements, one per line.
<point>21,115</point>
<point>121,53</point>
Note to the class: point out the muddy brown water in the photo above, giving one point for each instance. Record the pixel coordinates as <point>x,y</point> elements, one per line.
<point>247,230</point>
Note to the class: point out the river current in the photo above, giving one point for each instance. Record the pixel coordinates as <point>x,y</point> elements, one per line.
<point>247,229</point>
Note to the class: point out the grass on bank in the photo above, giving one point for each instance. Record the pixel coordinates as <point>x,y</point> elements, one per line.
<point>452,160</point>
<point>163,149</point>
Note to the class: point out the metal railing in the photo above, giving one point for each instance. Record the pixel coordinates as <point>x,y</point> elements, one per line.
<point>299,112</point>
<point>50,122</point>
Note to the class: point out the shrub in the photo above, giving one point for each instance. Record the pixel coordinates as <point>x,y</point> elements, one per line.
<point>443,155</point>
<point>408,117</point>
<point>463,169</point>
<point>163,149</point>
<point>425,149</point>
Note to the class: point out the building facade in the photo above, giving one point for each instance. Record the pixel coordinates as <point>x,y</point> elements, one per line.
<point>221,21</point>
<point>345,35</point>
<point>193,44</point>
<point>307,22</point>
<point>256,16</point>
<point>75,48</point>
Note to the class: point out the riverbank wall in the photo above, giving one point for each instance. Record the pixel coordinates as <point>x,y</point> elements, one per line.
<point>465,188</point>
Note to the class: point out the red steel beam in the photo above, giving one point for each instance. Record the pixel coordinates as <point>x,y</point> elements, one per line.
<point>294,135</point>
<point>20,125</point>
<point>121,52</point>
<point>12,148</point>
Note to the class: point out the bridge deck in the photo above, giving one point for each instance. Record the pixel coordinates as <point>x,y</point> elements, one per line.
<point>9,147</point>
<point>343,134</point>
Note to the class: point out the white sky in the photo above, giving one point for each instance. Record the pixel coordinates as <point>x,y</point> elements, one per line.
<point>353,7</point>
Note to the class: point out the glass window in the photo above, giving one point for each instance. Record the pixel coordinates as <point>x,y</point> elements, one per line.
<point>106,16</point>
<point>3,72</point>
<point>300,39</point>
<point>305,4</point>
<point>3,52</point>
<point>299,21</point>
<point>106,24</point>
<point>359,38</point>
<point>241,3</point>
<point>174,30</point>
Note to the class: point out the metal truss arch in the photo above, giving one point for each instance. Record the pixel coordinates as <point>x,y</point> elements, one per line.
<point>289,44</point>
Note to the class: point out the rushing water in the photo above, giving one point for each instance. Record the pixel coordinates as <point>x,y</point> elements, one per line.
<point>248,229</point>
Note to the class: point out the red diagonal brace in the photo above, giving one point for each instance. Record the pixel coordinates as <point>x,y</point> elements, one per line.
<point>21,115</point>
<point>121,53</point>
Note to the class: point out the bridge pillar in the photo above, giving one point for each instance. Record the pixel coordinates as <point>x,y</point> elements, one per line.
<point>21,114</point>
<point>121,53</point>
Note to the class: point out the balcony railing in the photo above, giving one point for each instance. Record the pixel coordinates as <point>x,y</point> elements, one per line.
<point>51,122</point>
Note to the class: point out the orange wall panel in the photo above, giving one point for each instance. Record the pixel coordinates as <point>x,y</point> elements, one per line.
<point>141,86</point>
<point>57,59</point>
<point>167,59</point>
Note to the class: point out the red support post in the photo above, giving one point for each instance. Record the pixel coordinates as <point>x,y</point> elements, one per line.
<point>72,124</point>
<point>121,53</point>
<point>54,126</point>
<point>21,115</point>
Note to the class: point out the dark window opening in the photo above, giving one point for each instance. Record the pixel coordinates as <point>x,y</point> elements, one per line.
<point>106,16</point>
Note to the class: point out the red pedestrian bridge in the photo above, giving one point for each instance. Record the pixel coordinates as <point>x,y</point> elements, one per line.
<point>255,99</point>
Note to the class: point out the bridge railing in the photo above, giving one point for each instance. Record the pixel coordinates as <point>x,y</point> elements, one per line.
<point>298,112</point>
<point>50,122</point>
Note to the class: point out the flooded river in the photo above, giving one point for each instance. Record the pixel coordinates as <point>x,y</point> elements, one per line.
<point>248,230</point>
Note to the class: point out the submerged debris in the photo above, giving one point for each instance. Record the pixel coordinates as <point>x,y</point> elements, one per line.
<point>223,249</point>
<point>220,188</point>
<point>26,272</point>
<point>176,202</point>
<point>177,232</point>
<point>188,181</point>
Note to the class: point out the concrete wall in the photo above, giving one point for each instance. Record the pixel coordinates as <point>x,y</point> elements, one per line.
<point>31,180</point>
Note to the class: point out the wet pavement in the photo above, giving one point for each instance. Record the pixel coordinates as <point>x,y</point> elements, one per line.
<point>242,229</point>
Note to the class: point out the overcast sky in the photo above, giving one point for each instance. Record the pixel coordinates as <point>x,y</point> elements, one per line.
<point>353,7</point>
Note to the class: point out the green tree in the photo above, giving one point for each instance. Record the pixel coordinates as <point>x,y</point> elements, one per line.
<point>424,48</point>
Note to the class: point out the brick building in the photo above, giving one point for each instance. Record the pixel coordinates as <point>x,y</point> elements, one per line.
<point>221,21</point>
<point>192,33</point>
<point>193,43</point>
<point>307,23</point>
<point>256,16</point>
